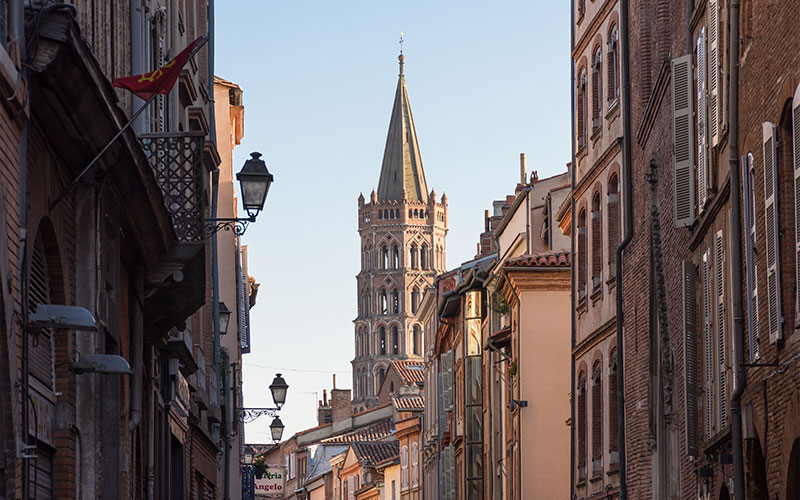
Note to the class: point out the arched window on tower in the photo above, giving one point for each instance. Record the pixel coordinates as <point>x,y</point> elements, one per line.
<point>381,376</point>
<point>417,340</point>
<point>395,302</point>
<point>423,257</point>
<point>413,258</point>
<point>382,339</point>
<point>383,302</point>
<point>395,257</point>
<point>384,257</point>
<point>395,340</point>
<point>414,300</point>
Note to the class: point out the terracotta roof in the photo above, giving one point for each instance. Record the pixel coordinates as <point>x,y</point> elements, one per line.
<point>375,452</point>
<point>410,371</point>
<point>374,432</point>
<point>410,403</point>
<point>550,259</point>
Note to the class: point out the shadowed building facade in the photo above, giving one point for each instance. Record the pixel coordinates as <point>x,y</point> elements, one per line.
<point>403,230</point>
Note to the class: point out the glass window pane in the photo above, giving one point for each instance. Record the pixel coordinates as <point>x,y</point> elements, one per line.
<point>474,424</point>
<point>474,379</point>
<point>474,461</point>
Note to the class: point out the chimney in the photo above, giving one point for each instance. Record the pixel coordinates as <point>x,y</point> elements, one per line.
<point>340,405</point>
<point>334,381</point>
<point>522,168</point>
<point>324,412</point>
<point>486,220</point>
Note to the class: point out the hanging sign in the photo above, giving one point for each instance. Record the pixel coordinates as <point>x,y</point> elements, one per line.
<point>272,482</point>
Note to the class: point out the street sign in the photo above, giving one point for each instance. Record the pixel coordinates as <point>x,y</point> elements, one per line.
<point>272,483</point>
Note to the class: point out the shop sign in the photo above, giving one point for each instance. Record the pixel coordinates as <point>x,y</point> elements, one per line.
<point>272,482</point>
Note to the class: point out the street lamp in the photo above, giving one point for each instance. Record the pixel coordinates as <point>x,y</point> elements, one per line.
<point>276,427</point>
<point>224,318</point>
<point>254,182</point>
<point>278,389</point>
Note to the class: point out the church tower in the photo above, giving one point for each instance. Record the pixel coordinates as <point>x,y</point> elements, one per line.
<point>403,230</point>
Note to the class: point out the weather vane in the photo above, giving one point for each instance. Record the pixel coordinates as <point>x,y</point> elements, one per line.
<point>401,42</point>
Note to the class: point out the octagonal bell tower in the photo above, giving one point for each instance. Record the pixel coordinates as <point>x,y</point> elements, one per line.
<point>403,229</point>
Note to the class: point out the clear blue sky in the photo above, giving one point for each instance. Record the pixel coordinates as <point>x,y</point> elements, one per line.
<point>487,81</point>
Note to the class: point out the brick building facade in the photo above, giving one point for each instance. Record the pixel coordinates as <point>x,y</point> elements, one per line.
<point>597,220</point>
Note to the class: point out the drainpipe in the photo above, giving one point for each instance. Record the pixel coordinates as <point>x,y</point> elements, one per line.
<point>628,211</point>
<point>573,268</point>
<point>739,374</point>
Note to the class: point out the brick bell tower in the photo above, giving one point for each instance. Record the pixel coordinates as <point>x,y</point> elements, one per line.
<point>403,230</point>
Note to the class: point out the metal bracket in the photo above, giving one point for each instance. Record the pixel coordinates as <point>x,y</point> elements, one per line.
<point>238,226</point>
<point>250,414</point>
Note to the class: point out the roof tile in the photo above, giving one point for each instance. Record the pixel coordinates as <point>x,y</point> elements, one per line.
<point>549,259</point>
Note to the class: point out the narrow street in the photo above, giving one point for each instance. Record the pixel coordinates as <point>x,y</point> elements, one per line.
<point>227,273</point>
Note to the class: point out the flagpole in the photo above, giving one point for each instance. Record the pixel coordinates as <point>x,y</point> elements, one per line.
<point>113,139</point>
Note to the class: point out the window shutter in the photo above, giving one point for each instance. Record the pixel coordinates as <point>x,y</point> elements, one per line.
<point>708,346</point>
<point>751,265</point>
<point>796,163</point>
<point>597,247</point>
<point>713,70</point>
<point>448,380</point>
<point>771,240</point>
<point>719,272</point>
<point>690,356</point>
<point>702,126</point>
<point>682,155</point>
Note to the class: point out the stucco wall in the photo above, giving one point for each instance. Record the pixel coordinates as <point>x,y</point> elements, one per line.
<point>544,373</point>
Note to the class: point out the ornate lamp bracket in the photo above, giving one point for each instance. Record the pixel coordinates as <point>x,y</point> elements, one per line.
<point>250,414</point>
<point>238,226</point>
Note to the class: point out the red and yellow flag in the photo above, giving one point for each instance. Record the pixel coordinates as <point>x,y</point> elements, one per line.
<point>161,80</point>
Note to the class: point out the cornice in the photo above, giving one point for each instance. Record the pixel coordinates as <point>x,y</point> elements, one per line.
<point>599,165</point>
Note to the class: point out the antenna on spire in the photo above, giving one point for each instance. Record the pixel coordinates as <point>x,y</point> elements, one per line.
<point>401,57</point>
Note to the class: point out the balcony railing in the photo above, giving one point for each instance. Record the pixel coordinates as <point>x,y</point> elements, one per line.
<point>176,159</point>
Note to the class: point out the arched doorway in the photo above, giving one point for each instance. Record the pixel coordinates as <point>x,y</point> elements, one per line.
<point>756,474</point>
<point>724,494</point>
<point>793,473</point>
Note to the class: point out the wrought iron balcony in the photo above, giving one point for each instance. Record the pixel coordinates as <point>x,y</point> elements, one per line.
<point>176,159</point>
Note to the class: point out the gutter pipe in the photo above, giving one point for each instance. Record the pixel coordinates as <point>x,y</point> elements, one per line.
<point>573,268</point>
<point>739,373</point>
<point>628,224</point>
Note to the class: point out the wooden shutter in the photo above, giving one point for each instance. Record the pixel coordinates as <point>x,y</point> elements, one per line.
<point>582,256</point>
<point>683,152</point>
<point>690,355</point>
<point>771,233</point>
<point>722,344</point>
<point>713,70</point>
<point>702,125</point>
<point>751,263</point>
<point>597,246</point>
<point>447,380</point>
<point>796,163</point>
<point>708,346</point>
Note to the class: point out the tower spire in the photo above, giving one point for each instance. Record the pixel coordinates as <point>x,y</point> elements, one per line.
<point>402,164</point>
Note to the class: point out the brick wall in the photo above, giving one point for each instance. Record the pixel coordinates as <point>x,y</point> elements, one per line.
<point>769,74</point>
